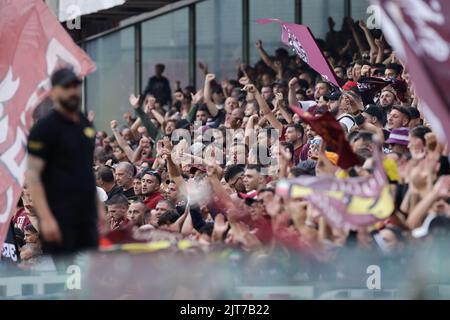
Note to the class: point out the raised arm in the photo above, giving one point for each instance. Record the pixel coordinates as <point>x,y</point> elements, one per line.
<point>158,116</point>
<point>178,225</point>
<point>203,67</point>
<point>292,97</point>
<point>49,227</point>
<point>284,158</point>
<point>172,168</point>
<point>151,128</point>
<point>441,190</point>
<point>212,108</point>
<point>121,141</point>
<point>370,41</point>
<point>264,107</point>
<point>197,98</point>
<point>264,56</point>
<point>249,128</point>
<point>409,201</point>
<point>380,48</point>
<point>187,226</point>
<point>355,35</point>
<point>374,129</point>
<point>280,105</point>
<point>135,126</point>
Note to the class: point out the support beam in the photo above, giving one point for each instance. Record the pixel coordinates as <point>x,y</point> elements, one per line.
<point>137,59</point>
<point>192,45</point>
<point>245,32</point>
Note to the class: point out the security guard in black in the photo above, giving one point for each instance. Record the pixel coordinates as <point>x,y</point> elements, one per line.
<point>67,148</point>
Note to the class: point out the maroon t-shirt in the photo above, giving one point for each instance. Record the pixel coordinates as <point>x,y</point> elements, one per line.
<point>21,219</point>
<point>152,200</point>
<point>304,152</point>
<point>297,155</point>
<point>119,224</point>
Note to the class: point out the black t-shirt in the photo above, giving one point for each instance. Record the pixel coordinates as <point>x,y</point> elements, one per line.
<point>115,190</point>
<point>215,122</point>
<point>129,193</point>
<point>68,177</point>
<point>160,88</point>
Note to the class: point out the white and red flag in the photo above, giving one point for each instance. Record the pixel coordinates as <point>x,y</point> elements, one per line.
<point>33,45</point>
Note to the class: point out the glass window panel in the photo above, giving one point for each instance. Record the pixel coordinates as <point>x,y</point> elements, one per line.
<point>315,15</point>
<point>218,37</point>
<point>269,34</point>
<point>359,10</point>
<point>110,85</point>
<point>165,39</point>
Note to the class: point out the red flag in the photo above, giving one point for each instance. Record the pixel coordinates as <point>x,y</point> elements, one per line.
<point>419,31</point>
<point>326,126</point>
<point>302,42</point>
<point>33,46</point>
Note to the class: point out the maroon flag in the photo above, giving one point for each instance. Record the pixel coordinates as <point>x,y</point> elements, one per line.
<point>419,31</point>
<point>33,45</point>
<point>326,126</point>
<point>345,203</point>
<point>301,40</point>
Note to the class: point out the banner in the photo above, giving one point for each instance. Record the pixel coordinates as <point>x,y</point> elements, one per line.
<point>326,126</point>
<point>10,252</point>
<point>301,40</point>
<point>345,203</point>
<point>419,31</point>
<point>33,45</point>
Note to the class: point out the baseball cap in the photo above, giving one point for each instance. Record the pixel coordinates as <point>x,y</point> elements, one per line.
<point>64,77</point>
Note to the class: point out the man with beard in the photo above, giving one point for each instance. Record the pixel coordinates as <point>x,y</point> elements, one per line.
<point>294,134</point>
<point>234,176</point>
<point>151,182</point>
<point>60,173</point>
<point>387,99</point>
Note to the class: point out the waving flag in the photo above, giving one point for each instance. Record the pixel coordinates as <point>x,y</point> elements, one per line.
<point>345,203</point>
<point>301,40</point>
<point>326,126</point>
<point>419,31</point>
<point>33,45</point>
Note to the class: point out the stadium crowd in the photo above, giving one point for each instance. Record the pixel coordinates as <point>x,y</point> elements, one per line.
<point>202,164</point>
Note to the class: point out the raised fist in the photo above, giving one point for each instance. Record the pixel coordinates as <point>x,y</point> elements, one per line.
<point>210,77</point>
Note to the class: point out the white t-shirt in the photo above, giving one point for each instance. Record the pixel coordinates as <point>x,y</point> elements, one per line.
<point>347,120</point>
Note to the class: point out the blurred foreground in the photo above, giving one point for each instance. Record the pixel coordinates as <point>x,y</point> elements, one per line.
<point>138,271</point>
